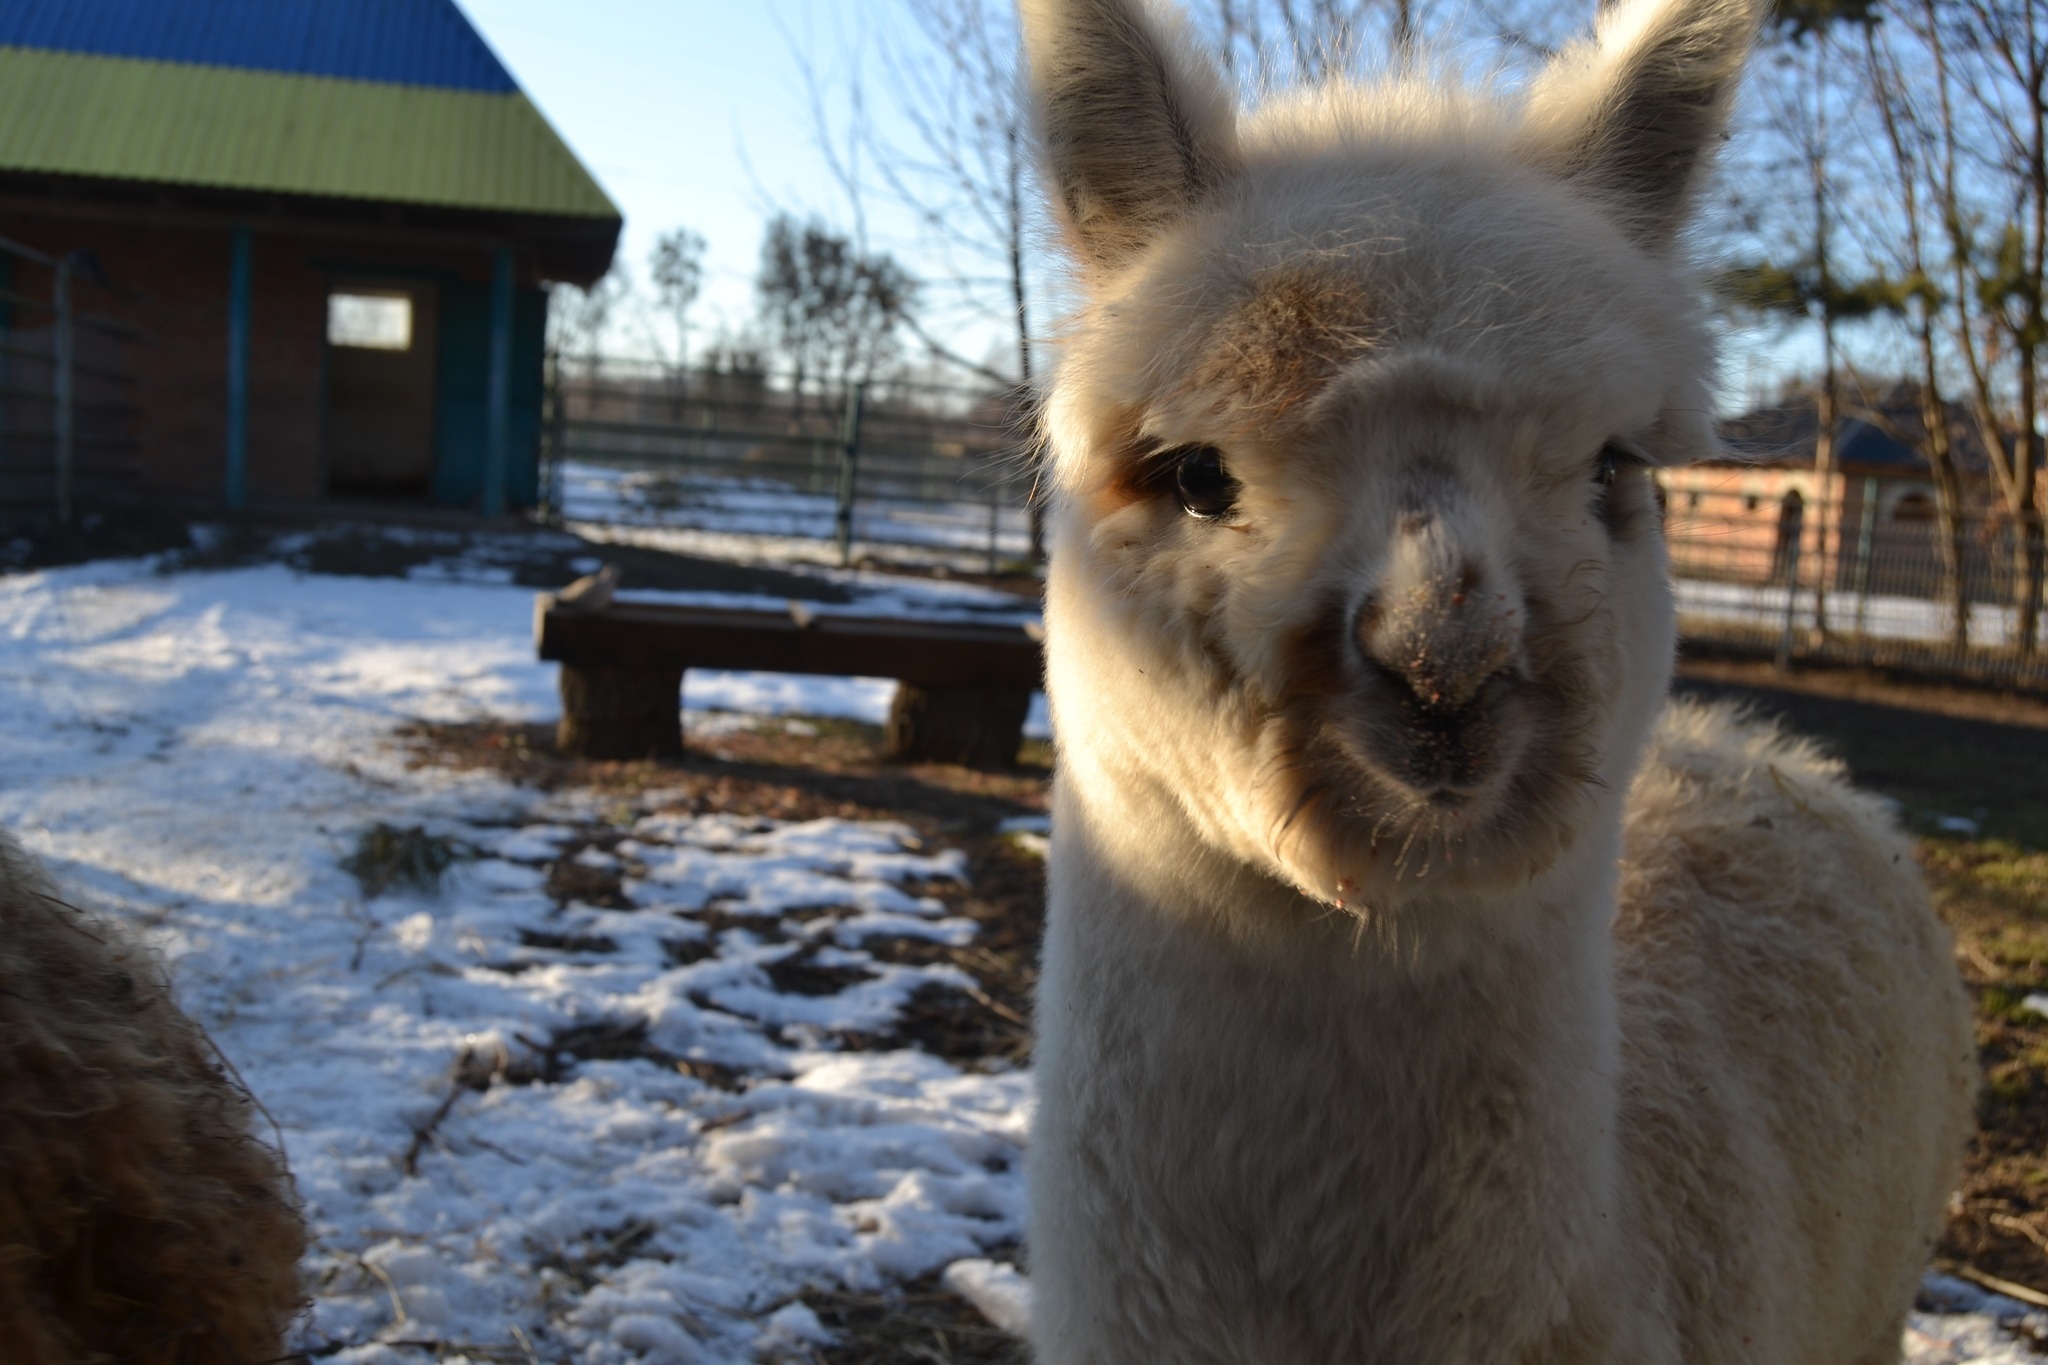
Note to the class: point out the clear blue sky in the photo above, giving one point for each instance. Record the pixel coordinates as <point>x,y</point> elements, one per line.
<point>690,113</point>
<point>693,113</point>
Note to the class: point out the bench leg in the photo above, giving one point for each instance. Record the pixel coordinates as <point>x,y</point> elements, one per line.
<point>980,727</point>
<point>614,712</point>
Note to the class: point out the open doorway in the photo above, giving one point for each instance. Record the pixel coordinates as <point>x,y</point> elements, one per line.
<point>379,426</point>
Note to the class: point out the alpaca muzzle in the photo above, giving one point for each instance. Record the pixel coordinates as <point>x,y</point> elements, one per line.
<point>1442,622</point>
<point>1441,641</point>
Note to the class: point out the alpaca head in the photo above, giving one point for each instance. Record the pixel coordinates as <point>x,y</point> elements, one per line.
<point>1357,551</point>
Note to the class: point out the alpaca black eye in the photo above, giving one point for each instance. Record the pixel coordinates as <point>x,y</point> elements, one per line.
<point>1613,459</point>
<point>1616,506</point>
<point>1203,486</point>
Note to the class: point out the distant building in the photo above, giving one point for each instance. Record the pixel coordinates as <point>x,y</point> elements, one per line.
<point>1744,517</point>
<point>324,227</point>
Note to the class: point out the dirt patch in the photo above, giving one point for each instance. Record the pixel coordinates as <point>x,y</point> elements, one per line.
<point>1874,686</point>
<point>39,542</point>
<point>920,1321</point>
<point>1963,755</point>
<point>818,769</point>
<point>386,856</point>
<point>838,771</point>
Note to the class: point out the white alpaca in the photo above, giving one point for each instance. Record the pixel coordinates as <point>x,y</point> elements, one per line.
<point>1412,992</point>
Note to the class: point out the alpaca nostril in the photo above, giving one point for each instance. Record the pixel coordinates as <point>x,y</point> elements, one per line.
<point>1365,627</point>
<point>1468,581</point>
<point>1442,657</point>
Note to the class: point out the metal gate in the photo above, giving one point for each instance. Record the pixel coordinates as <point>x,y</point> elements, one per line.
<point>67,387</point>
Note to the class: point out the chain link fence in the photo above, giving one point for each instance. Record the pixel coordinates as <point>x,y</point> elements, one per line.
<point>749,459</point>
<point>1878,581</point>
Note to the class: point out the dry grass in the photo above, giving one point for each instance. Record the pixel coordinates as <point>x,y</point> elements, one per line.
<point>920,1321</point>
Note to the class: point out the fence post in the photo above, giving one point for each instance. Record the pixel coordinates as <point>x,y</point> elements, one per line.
<point>995,513</point>
<point>551,438</point>
<point>498,387</point>
<point>6,327</point>
<point>1784,659</point>
<point>849,456</point>
<point>63,343</point>
<point>1865,532</point>
<point>235,485</point>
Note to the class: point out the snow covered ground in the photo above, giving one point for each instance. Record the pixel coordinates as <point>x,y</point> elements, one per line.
<point>1878,616</point>
<point>528,1130</point>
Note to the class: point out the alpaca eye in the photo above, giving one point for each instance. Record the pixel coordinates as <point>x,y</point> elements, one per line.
<point>1617,511</point>
<point>1202,484</point>
<point>1613,459</point>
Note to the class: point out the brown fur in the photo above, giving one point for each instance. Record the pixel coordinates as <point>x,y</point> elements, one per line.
<point>140,1221</point>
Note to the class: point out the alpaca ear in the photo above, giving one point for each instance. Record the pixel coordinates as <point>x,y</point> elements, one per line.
<point>1136,125</point>
<point>1635,114</point>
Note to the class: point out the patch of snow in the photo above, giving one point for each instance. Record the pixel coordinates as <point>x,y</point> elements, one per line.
<point>996,1289</point>
<point>601,1133</point>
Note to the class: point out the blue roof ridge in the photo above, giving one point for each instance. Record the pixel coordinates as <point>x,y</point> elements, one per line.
<point>428,43</point>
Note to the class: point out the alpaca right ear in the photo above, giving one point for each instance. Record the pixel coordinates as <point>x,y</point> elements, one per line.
<point>1136,126</point>
<point>1634,115</point>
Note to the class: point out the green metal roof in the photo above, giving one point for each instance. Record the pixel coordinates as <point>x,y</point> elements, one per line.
<point>119,118</point>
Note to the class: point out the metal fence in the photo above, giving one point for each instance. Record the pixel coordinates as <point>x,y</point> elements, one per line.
<point>736,460</point>
<point>878,470</point>
<point>1878,581</point>
<point>67,378</point>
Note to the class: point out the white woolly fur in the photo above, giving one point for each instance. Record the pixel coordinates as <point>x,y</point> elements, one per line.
<point>1420,984</point>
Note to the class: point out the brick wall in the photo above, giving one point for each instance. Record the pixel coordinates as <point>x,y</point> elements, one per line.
<point>173,287</point>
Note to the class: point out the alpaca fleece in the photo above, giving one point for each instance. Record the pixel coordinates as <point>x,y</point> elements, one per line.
<point>1420,984</point>
<point>141,1223</point>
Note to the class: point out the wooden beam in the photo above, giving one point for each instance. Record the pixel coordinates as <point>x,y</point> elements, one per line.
<point>930,654</point>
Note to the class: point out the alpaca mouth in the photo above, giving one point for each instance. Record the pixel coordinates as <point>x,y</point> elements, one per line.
<point>1449,757</point>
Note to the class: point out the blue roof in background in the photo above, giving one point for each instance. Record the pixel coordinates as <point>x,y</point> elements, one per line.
<point>400,42</point>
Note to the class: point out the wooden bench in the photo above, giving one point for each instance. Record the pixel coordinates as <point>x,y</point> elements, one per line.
<point>964,685</point>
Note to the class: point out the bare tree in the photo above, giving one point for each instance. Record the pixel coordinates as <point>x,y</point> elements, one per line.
<point>581,320</point>
<point>1990,80</point>
<point>1916,300</point>
<point>832,310</point>
<point>676,265</point>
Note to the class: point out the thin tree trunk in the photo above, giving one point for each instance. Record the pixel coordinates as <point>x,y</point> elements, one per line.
<point>1035,505</point>
<point>1950,546</point>
<point>1829,398</point>
<point>1948,494</point>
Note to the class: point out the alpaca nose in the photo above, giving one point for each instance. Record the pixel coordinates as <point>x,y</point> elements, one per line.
<point>1441,621</point>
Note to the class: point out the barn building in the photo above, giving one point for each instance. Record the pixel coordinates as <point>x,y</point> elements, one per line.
<point>262,253</point>
<point>1765,510</point>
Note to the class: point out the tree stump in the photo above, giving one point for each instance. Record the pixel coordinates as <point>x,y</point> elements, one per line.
<point>613,711</point>
<point>979,727</point>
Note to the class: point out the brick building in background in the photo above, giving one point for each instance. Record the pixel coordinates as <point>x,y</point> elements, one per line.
<point>304,244</point>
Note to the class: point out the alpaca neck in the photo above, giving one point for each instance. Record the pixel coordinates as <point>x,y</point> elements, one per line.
<point>1402,1072</point>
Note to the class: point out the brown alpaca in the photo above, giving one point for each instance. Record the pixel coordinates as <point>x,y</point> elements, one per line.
<point>140,1222</point>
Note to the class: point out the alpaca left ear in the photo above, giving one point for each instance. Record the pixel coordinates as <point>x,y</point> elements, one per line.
<point>1634,115</point>
<point>1137,127</point>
